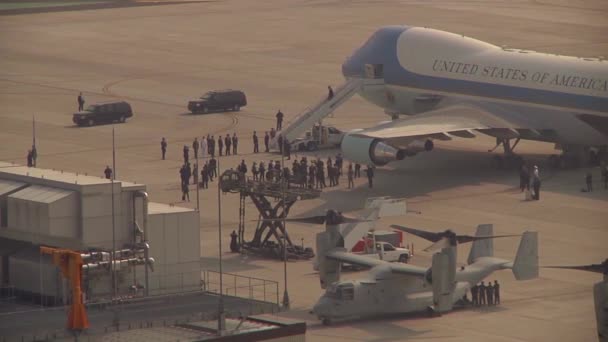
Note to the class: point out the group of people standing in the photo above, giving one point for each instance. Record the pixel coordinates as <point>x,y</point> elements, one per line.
<point>313,175</point>
<point>486,294</point>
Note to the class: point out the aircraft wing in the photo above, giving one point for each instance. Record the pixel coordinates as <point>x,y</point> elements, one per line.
<point>364,261</point>
<point>458,120</point>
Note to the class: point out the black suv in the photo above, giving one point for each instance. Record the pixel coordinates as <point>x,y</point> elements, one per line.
<point>218,100</point>
<point>103,113</point>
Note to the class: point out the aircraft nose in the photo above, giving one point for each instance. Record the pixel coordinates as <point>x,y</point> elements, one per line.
<point>321,308</point>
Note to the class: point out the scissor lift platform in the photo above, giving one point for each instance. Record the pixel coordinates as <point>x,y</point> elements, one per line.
<point>273,201</point>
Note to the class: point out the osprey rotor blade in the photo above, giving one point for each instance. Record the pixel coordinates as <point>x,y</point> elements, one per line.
<point>596,268</point>
<point>348,219</point>
<point>469,238</point>
<point>430,236</point>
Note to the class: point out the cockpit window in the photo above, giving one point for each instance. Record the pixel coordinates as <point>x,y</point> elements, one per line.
<point>341,292</point>
<point>346,292</point>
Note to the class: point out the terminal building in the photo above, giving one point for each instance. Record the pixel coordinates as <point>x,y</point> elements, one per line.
<point>154,247</point>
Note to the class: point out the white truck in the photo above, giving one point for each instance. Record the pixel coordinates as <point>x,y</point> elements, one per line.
<point>385,251</point>
<point>318,138</point>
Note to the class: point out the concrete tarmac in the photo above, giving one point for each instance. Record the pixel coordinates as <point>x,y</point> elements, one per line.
<point>283,54</point>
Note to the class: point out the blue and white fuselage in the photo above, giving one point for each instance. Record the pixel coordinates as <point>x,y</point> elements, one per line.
<point>425,71</point>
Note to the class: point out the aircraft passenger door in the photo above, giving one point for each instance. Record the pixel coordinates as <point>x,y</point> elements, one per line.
<point>374,70</point>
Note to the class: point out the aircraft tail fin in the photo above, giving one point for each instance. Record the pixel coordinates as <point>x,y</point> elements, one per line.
<point>482,248</point>
<point>600,298</point>
<point>443,274</point>
<point>329,270</point>
<point>525,266</point>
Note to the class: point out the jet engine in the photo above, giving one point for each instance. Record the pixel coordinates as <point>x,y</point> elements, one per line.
<point>367,150</point>
<point>418,146</point>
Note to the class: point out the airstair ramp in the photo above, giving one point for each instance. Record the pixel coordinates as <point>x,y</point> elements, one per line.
<point>311,115</point>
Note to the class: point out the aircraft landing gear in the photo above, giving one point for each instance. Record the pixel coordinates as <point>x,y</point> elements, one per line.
<point>326,321</point>
<point>509,159</point>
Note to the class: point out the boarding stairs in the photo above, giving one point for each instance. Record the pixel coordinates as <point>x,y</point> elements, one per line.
<point>311,115</point>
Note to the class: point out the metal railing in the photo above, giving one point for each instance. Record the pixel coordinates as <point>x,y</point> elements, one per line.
<point>242,286</point>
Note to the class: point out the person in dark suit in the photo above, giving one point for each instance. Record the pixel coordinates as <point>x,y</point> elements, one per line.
<point>370,175</point>
<point>279,120</point>
<point>227,143</point>
<point>256,147</point>
<point>80,102</point>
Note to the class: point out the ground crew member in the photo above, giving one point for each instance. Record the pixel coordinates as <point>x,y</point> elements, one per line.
<point>357,170</point>
<point>163,147</point>
<point>256,148</point>
<point>212,145</point>
<point>330,93</point>
<point>80,102</point>
<point>30,161</point>
<point>254,171</point>
<point>220,145</point>
<point>589,181</point>
<point>195,147</point>
<point>279,120</point>
<point>280,143</point>
<point>351,173</point>
<point>186,154</point>
<point>496,292</point>
<point>212,170</point>
<point>227,143</point>
<point>266,140</point>
<point>536,183</point>
<point>188,172</point>
<point>195,175</point>
<point>185,192</point>
<point>331,175</point>
<point>205,176</point>
<point>474,294</point>
<point>262,171</point>
<point>182,175</point>
<point>234,247</point>
<point>108,172</point>
<point>490,293</point>
<point>235,143</point>
<point>482,294</point>
<point>370,176</point>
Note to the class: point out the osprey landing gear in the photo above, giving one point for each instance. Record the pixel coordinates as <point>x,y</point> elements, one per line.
<point>509,160</point>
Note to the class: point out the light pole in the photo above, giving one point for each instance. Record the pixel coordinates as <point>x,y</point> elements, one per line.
<point>285,293</point>
<point>221,317</point>
<point>112,178</point>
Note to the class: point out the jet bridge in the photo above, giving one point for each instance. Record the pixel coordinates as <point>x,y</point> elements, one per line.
<point>311,115</point>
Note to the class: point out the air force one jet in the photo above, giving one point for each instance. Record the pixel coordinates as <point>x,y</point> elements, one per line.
<point>438,85</point>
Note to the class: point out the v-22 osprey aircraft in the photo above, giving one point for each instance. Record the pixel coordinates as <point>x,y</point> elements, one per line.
<point>394,288</point>
<point>438,85</point>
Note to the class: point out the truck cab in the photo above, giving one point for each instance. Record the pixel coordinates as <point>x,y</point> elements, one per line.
<point>319,137</point>
<point>388,252</point>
